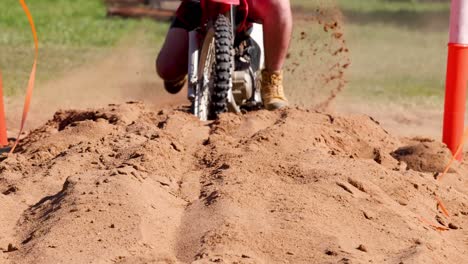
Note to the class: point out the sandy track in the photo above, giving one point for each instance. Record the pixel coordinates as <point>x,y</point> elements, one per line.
<point>126,74</point>
<point>125,184</point>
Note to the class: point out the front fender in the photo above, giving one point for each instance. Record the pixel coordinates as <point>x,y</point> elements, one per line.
<point>212,8</point>
<point>227,2</point>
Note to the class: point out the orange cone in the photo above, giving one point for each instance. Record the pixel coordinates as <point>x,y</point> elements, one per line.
<point>455,97</point>
<point>457,77</point>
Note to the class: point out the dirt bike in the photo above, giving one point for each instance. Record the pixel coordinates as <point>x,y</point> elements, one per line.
<point>225,59</point>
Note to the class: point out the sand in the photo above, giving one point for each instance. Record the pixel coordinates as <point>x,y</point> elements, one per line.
<point>131,184</point>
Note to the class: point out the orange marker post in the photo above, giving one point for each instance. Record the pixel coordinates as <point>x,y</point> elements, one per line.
<point>457,77</point>
<point>3,127</point>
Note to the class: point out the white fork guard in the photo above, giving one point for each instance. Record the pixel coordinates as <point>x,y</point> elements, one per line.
<point>256,33</point>
<point>193,64</point>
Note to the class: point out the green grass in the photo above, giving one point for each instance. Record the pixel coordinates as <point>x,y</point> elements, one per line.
<point>396,63</point>
<point>392,6</point>
<point>71,33</point>
<point>398,51</point>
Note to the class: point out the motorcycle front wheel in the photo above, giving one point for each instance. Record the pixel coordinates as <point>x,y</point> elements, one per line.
<point>216,64</point>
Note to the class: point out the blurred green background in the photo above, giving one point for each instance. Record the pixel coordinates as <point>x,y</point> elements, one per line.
<point>397,49</point>
<point>71,33</point>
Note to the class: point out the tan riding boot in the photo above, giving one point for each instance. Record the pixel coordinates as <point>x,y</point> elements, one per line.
<point>272,90</point>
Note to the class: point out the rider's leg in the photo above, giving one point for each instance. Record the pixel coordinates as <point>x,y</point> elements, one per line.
<point>171,63</point>
<point>276,17</point>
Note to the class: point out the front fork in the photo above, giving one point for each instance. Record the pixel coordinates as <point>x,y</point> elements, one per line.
<point>194,57</point>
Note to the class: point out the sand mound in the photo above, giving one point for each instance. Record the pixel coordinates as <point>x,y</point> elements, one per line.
<point>424,155</point>
<point>125,184</point>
